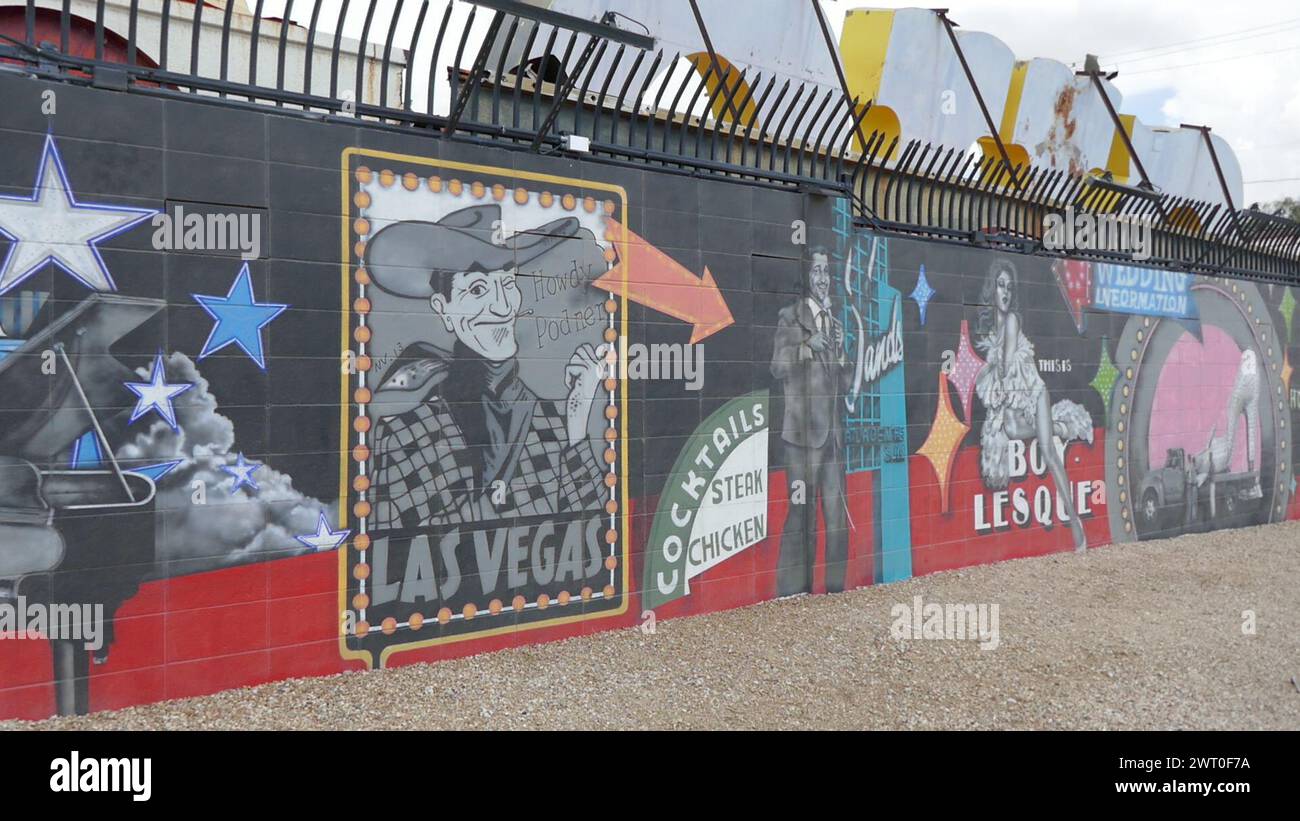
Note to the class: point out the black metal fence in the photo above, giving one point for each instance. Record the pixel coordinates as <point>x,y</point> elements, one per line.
<point>952,195</point>
<point>500,72</point>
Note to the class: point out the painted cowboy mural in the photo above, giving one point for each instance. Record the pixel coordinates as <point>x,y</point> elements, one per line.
<point>461,437</point>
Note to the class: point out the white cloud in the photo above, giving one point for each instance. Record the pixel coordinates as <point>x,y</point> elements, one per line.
<point>228,528</point>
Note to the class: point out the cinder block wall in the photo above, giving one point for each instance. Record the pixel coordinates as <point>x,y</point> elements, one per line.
<point>461,398</point>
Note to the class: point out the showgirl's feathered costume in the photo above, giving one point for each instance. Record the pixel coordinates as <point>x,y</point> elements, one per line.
<point>1017,390</point>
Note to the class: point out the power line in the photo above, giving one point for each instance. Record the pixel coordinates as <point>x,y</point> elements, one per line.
<point>1209,62</point>
<point>1203,39</point>
<point>1279,179</point>
<point>1199,39</point>
<point>1221,40</point>
<point>1128,61</point>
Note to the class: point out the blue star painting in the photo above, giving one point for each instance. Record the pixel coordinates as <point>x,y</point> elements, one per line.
<point>243,472</point>
<point>922,293</point>
<point>240,319</point>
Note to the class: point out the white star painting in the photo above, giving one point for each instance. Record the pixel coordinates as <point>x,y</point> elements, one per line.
<point>157,394</point>
<point>52,226</point>
<point>324,538</point>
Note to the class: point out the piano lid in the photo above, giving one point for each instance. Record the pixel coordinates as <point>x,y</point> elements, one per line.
<point>85,332</point>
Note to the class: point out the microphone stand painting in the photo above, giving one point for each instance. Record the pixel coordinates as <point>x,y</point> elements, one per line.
<point>1018,405</point>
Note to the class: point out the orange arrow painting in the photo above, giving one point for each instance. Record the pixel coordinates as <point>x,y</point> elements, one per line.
<point>656,280</point>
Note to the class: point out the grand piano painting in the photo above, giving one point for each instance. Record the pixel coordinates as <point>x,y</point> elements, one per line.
<point>93,503</point>
<point>71,536</point>
<point>129,452</point>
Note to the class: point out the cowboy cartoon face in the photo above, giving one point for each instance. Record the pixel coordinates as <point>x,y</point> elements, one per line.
<point>462,274</point>
<point>480,307</point>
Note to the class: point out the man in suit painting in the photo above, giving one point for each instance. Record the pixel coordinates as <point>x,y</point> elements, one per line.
<point>808,358</point>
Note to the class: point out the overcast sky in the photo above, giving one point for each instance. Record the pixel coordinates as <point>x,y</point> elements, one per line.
<point>1234,67</point>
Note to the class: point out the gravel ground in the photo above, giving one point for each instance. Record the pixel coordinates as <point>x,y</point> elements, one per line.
<point>1137,636</point>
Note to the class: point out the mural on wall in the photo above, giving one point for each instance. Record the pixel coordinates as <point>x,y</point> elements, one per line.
<point>452,430</point>
<point>876,440</point>
<point>1017,404</point>
<point>715,504</point>
<point>1200,419</point>
<point>1284,298</point>
<point>1009,463</point>
<point>1161,408</point>
<point>118,462</point>
<point>811,470</point>
<point>809,363</point>
<point>486,413</point>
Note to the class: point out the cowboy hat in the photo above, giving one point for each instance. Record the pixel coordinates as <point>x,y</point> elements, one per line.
<point>402,257</point>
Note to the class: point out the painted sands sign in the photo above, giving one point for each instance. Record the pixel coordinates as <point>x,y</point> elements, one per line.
<point>715,504</point>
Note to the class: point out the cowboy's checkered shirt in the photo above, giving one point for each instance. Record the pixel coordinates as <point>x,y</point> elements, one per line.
<point>423,471</point>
